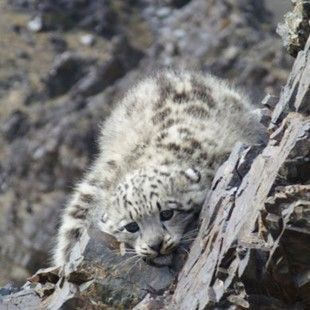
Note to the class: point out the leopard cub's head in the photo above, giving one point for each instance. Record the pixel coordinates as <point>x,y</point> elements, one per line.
<point>150,210</point>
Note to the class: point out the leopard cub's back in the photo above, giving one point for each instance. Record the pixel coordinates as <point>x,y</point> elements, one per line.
<point>183,118</point>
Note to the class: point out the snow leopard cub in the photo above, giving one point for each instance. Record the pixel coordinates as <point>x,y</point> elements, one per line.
<point>159,151</point>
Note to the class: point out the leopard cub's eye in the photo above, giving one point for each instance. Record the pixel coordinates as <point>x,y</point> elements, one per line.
<point>132,227</point>
<point>166,215</point>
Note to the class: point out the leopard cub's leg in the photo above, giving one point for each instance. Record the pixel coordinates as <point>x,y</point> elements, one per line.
<point>75,221</point>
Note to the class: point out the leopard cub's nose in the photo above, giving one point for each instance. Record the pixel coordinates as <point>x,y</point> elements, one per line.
<point>156,246</point>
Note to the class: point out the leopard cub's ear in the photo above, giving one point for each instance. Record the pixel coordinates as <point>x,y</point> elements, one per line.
<point>193,175</point>
<point>104,223</point>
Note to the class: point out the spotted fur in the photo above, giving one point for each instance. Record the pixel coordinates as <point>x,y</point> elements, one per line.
<point>159,151</point>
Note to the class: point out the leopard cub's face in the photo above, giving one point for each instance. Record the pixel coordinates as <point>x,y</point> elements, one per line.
<point>151,209</point>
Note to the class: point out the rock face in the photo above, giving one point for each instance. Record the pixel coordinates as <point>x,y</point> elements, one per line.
<point>296,29</point>
<point>53,100</point>
<point>67,69</point>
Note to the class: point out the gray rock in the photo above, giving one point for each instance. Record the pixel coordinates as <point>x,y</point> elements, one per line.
<point>163,12</point>
<point>129,278</point>
<point>295,29</point>
<point>67,69</point>
<point>124,58</point>
<point>35,24</point>
<point>16,126</point>
<point>99,78</point>
<point>87,39</point>
<point>270,101</point>
<point>58,43</point>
